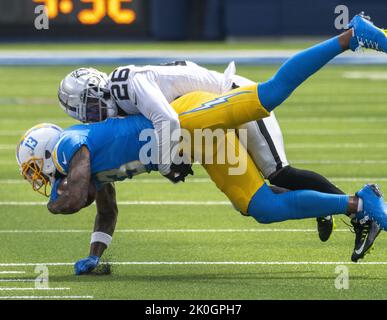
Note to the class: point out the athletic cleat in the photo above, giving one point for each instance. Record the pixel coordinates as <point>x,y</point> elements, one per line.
<point>366,231</point>
<point>373,205</point>
<point>366,34</point>
<point>325,226</point>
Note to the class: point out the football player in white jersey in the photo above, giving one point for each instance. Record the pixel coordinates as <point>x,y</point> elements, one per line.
<point>90,96</point>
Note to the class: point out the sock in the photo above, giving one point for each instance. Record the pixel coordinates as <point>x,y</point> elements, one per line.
<point>299,179</point>
<point>295,71</point>
<point>267,207</point>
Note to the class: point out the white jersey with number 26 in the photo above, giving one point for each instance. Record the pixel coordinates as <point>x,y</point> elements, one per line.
<point>150,90</point>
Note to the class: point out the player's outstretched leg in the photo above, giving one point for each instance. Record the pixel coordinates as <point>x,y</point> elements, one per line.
<point>299,179</point>
<point>368,205</point>
<point>366,231</point>
<point>301,66</point>
<point>267,207</point>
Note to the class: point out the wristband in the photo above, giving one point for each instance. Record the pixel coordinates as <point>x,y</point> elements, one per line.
<point>101,237</point>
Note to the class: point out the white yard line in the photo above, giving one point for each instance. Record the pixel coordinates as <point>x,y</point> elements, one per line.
<point>206,180</point>
<point>17,280</point>
<point>246,263</point>
<point>201,180</point>
<point>11,133</point>
<point>144,263</point>
<point>334,145</point>
<point>22,203</point>
<point>145,181</point>
<point>12,272</point>
<point>335,162</point>
<point>12,181</point>
<point>365,75</point>
<point>43,297</point>
<point>7,146</point>
<point>347,179</point>
<point>333,132</point>
<point>334,120</point>
<point>173,230</point>
<point>66,122</point>
<point>288,146</point>
<point>7,163</point>
<point>129,203</point>
<point>32,289</point>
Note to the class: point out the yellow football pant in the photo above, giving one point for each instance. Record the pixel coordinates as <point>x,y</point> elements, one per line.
<point>201,110</point>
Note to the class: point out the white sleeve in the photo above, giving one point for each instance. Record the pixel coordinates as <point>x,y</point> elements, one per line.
<point>241,81</point>
<point>154,106</point>
<point>210,80</point>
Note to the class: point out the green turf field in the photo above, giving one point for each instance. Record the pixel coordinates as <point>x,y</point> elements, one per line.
<point>265,44</point>
<point>332,125</point>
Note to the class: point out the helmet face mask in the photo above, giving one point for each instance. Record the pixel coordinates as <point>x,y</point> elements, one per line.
<point>94,107</point>
<point>85,96</point>
<point>32,172</point>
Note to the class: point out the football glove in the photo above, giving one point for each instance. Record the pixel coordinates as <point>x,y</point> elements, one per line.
<point>179,172</point>
<point>86,265</point>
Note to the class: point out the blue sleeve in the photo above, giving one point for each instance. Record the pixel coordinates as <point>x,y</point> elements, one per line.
<point>65,149</point>
<point>295,71</point>
<point>54,189</point>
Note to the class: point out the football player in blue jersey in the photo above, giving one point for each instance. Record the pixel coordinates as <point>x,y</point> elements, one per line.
<point>95,155</point>
<point>89,95</point>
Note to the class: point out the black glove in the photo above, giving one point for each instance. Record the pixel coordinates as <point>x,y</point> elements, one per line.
<point>179,172</point>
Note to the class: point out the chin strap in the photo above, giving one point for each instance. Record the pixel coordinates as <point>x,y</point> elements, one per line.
<point>112,109</point>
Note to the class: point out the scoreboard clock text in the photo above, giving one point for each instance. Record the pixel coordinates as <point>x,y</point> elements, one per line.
<point>91,12</point>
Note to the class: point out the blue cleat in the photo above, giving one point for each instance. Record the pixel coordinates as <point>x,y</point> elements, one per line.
<point>373,205</point>
<point>86,265</point>
<point>366,34</point>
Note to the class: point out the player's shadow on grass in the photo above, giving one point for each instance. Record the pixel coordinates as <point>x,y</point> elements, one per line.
<point>267,276</point>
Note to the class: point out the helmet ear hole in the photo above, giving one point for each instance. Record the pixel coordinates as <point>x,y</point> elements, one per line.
<point>47,154</point>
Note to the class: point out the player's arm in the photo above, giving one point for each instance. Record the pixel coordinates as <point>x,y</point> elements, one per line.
<point>75,195</point>
<point>104,226</point>
<point>152,103</point>
<point>105,221</point>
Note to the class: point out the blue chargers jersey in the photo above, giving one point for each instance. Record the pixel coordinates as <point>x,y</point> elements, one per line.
<point>114,147</point>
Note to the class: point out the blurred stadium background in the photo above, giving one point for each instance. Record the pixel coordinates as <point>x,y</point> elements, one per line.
<point>186,241</point>
<point>177,19</point>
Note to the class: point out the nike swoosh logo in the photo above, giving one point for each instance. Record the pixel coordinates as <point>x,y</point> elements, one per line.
<point>64,158</point>
<point>359,251</point>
